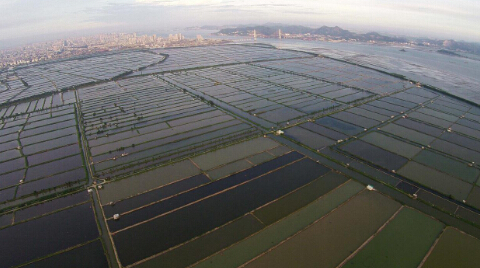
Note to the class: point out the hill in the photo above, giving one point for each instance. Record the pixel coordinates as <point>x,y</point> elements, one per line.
<point>332,32</point>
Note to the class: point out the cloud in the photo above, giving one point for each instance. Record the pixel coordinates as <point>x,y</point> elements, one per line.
<point>451,10</point>
<point>224,4</point>
<point>179,2</point>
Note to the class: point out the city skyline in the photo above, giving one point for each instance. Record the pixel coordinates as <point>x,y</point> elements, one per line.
<point>87,45</point>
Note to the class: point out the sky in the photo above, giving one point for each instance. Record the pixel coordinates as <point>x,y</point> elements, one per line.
<point>36,20</point>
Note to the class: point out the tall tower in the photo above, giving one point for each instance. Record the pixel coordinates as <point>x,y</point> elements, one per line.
<point>254,35</point>
<point>279,34</point>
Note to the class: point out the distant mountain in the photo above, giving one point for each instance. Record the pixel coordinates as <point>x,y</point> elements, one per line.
<point>451,45</point>
<point>337,33</point>
<point>333,32</point>
<point>378,37</point>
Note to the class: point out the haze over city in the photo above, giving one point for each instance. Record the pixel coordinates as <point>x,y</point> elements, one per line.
<point>31,20</point>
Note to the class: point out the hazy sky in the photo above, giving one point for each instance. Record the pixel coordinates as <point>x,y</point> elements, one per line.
<point>459,19</point>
